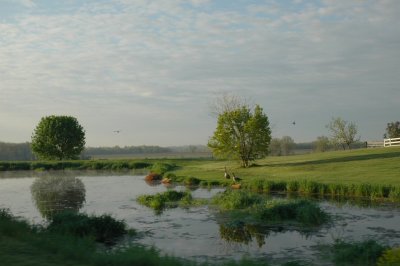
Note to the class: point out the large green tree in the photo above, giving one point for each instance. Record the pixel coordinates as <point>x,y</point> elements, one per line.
<point>392,130</point>
<point>344,133</point>
<point>241,134</point>
<point>58,138</point>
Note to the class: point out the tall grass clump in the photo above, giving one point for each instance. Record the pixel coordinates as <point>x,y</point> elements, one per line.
<point>104,228</point>
<point>394,194</point>
<point>302,211</point>
<point>236,199</point>
<point>292,186</point>
<point>168,199</point>
<point>161,168</point>
<point>358,253</point>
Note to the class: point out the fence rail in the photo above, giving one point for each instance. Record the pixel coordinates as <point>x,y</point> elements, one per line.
<point>391,142</point>
<point>375,144</point>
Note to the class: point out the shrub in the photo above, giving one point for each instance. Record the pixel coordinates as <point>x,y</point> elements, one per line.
<point>102,228</point>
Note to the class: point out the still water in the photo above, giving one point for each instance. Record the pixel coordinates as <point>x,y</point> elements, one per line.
<point>198,233</point>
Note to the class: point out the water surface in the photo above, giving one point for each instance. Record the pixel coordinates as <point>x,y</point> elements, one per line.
<point>201,232</point>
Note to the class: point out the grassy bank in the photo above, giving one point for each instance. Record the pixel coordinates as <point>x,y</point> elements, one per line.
<point>367,173</point>
<point>370,173</point>
<point>373,166</point>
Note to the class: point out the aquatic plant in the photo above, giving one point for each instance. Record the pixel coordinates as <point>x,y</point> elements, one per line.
<point>236,199</point>
<point>168,199</point>
<point>302,211</point>
<point>357,253</point>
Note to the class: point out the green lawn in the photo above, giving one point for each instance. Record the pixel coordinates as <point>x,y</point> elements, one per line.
<point>374,166</point>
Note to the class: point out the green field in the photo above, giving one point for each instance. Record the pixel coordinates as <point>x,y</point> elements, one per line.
<point>374,166</point>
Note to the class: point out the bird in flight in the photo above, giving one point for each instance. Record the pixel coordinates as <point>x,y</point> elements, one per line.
<point>117,131</point>
<point>294,123</point>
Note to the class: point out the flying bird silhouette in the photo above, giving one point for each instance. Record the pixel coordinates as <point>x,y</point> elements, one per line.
<point>117,131</point>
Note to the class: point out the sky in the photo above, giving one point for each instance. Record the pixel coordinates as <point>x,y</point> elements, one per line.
<point>151,68</point>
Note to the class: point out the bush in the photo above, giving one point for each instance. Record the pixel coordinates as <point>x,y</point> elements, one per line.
<point>102,228</point>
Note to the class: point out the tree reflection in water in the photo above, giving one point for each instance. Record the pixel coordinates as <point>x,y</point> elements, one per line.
<point>237,231</point>
<point>240,232</point>
<point>55,194</point>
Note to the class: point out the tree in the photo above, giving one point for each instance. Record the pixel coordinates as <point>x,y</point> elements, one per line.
<point>275,147</point>
<point>241,134</point>
<point>283,146</point>
<point>58,137</point>
<point>321,144</point>
<point>287,145</point>
<point>392,130</point>
<point>344,133</point>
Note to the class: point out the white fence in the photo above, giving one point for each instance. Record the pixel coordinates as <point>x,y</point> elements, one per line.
<point>374,144</point>
<point>391,142</point>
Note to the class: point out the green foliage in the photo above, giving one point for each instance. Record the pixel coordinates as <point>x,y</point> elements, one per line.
<point>344,133</point>
<point>236,199</point>
<point>59,245</point>
<point>322,144</point>
<point>390,257</point>
<point>254,205</point>
<point>102,228</point>
<point>393,130</point>
<point>161,168</point>
<point>58,138</point>
<point>363,253</point>
<point>168,199</point>
<point>302,211</point>
<point>241,134</point>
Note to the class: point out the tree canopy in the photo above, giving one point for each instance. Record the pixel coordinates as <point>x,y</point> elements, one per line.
<point>392,130</point>
<point>344,133</point>
<point>241,134</point>
<point>58,138</point>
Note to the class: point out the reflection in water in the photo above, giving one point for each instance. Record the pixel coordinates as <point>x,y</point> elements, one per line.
<point>245,233</point>
<point>55,194</point>
<point>240,232</point>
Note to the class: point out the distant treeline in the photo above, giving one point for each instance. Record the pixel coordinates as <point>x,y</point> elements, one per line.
<point>16,151</point>
<point>91,151</point>
<point>23,152</point>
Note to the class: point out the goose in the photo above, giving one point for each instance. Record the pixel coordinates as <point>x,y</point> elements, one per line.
<point>235,178</point>
<point>226,175</point>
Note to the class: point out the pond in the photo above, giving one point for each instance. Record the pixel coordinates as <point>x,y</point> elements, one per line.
<point>197,233</point>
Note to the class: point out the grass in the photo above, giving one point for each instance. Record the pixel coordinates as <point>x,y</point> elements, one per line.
<point>104,228</point>
<point>163,200</point>
<point>253,207</point>
<point>22,244</point>
<point>371,173</point>
<point>364,253</point>
<point>374,166</point>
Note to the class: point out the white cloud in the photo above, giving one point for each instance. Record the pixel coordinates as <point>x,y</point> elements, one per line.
<point>156,60</point>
